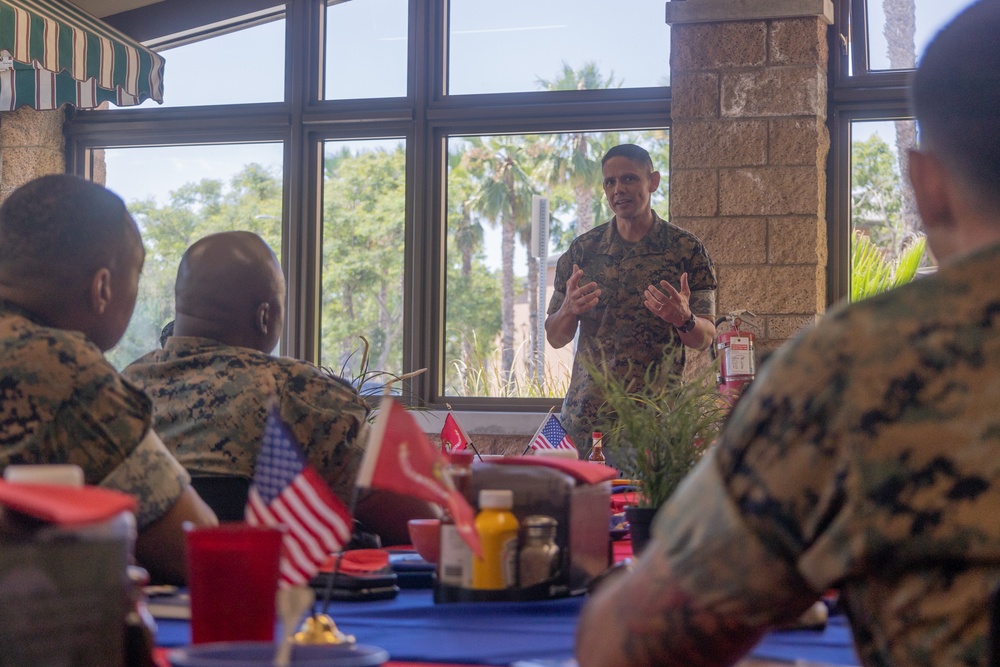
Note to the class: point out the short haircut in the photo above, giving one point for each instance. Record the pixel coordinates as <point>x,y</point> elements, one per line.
<point>636,154</point>
<point>956,98</point>
<point>61,228</point>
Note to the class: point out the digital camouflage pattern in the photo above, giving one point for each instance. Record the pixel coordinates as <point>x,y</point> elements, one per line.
<point>62,402</point>
<point>619,329</point>
<point>865,457</point>
<point>210,404</point>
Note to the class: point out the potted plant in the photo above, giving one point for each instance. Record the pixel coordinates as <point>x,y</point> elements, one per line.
<point>658,431</point>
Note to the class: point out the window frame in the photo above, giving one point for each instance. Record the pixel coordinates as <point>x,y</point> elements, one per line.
<point>864,96</point>
<point>426,116</point>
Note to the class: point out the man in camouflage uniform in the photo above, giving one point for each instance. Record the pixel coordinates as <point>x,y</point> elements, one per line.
<point>865,457</point>
<point>214,381</point>
<point>637,288</point>
<point>70,257</point>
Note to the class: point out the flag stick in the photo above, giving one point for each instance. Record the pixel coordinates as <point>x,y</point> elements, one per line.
<point>328,591</point>
<point>471,444</point>
<point>544,419</point>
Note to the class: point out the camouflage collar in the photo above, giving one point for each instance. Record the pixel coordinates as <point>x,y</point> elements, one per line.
<point>656,241</point>
<point>184,346</point>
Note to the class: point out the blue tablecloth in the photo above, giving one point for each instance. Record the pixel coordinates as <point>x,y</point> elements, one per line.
<point>413,628</point>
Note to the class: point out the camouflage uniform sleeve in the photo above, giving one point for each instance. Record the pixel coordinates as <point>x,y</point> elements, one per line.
<point>329,419</point>
<point>703,282</point>
<point>152,475</point>
<point>564,267</point>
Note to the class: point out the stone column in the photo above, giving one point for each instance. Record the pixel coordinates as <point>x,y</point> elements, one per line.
<point>31,145</point>
<point>748,152</point>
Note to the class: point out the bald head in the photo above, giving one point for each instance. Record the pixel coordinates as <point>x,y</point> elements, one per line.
<point>230,288</point>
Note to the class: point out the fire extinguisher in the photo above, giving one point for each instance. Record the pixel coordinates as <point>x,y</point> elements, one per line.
<point>734,346</point>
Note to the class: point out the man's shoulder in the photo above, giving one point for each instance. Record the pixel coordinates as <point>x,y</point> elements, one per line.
<point>44,353</point>
<point>308,379</point>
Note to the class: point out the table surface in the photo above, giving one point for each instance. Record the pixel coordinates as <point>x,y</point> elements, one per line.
<point>413,629</point>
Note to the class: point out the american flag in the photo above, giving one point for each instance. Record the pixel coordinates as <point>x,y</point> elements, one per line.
<point>552,435</point>
<point>287,492</point>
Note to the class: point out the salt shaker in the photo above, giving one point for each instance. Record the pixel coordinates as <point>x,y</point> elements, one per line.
<point>538,560</point>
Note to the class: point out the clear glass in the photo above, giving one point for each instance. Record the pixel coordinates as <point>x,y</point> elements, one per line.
<point>493,309</point>
<point>884,214</point>
<point>899,30</point>
<point>364,189</point>
<point>239,67</point>
<point>178,194</point>
<point>526,45</point>
<point>366,47</point>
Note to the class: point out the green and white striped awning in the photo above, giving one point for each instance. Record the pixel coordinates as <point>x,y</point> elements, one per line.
<point>52,53</point>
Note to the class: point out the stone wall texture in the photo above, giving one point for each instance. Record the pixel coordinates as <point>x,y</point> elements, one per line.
<point>31,145</point>
<point>749,145</point>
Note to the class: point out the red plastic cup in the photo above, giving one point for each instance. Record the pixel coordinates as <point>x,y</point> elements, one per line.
<point>233,581</point>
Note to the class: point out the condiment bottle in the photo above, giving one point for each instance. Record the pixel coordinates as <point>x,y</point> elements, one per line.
<point>597,449</point>
<point>455,560</point>
<point>538,560</point>
<point>497,527</point>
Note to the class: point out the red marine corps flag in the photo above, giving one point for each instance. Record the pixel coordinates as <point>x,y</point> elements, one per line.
<point>400,458</point>
<point>453,436</point>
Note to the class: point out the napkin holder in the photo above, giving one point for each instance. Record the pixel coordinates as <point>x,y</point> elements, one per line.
<point>581,511</point>
<point>62,594</point>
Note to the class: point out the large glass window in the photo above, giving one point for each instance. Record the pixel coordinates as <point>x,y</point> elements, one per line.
<point>525,45</point>
<point>364,199</point>
<point>874,227</point>
<point>366,49</point>
<point>235,68</point>
<point>887,241</point>
<point>178,195</point>
<point>899,30</point>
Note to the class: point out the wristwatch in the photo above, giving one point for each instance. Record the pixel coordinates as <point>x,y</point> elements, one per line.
<point>688,326</point>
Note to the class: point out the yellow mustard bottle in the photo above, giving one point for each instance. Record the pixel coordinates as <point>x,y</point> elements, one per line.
<point>497,528</point>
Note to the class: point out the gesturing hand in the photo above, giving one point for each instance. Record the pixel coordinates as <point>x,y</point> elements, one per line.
<point>669,305</point>
<point>580,298</point>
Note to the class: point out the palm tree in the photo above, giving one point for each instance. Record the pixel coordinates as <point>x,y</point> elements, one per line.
<point>467,231</point>
<point>900,29</point>
<point>574,158</point>
<point>502,165</point>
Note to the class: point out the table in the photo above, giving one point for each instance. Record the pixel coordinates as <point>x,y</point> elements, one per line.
<point>415,630</point>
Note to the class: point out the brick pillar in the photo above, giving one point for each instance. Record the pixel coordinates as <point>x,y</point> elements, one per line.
<point>748,160</point>
<point>31,145</point>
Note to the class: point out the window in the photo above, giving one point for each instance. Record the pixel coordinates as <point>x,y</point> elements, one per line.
<point>178,195</point>
<point>358,145</point>
<point>253,60</point>
<point>556,45</point>
<point>366,49</point>
<point>887,242</point>
<point>897,31</point>
<point>871,208</point>
<point>364,207</point>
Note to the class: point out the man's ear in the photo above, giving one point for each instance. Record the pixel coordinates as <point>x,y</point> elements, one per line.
<point>654,181</point>
<point>262,320</point>
<point>932,189</point>
<point>100,290</point>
